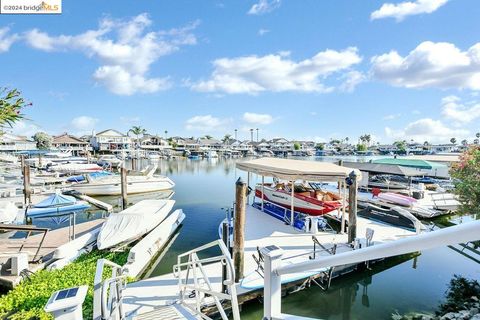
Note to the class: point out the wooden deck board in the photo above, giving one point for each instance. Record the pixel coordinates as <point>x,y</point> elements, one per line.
<point>53,240</point>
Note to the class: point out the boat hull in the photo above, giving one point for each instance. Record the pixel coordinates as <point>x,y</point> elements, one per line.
<point>301,203</point>
<point>394,216</point>
<point>114,188</point>
<point>58,210</point>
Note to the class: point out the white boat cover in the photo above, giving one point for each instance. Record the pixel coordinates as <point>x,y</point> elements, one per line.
<point>8,212</point>
<point>132,223</point>
<point>297,169</point>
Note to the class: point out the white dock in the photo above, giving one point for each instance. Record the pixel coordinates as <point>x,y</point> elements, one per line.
<point>261,230</point>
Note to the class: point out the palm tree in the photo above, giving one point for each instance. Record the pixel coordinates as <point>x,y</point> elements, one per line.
<point>208,137</point>
<point>226,138</point>
<point>251,135</point>
<point>478,135</point>
<point>137,131</point>
<point>476,141</point>
<point>236,134</point>
<point>166,132</point>
<point>453,140</point>
<point>464,142</point>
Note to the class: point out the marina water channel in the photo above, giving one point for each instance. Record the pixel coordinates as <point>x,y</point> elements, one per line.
<point>417,283</point>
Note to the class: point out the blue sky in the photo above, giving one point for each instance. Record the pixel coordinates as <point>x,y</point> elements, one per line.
<point>304,69</point>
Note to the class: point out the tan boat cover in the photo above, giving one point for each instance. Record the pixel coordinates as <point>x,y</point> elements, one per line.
<point>289,169</point>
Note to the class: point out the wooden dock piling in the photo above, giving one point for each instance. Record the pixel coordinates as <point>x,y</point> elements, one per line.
<point>352,207</point>
<point>123,174</point>
<point>27,192</point>
<point>239,228</point>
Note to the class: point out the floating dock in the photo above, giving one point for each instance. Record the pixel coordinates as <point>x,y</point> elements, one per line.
<point>261,230</point>
<point>53,240</point>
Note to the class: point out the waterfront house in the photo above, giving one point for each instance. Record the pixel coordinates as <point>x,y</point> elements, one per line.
<point>210,144</point>
<point>183,144</point>
<point>11,143</point>
<point>66,142</point>
<point>154,142</point>
<point>110,140</point>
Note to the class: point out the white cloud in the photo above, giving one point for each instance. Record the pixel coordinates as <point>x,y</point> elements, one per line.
<point>25,128</point>
<point>404,9</point>
<point>7,40</point>
<point>264,6</point>
<point>277,73</point>
<point>352,80</point>
<point>262,32</point>
<point>440,65</point>
<point>257,118</point>
<point>391,116</point>
<point>125,48</point>
<point>84,123</point>
<point>426,129</point>
<point>453,109</point>
<point>206,123</point>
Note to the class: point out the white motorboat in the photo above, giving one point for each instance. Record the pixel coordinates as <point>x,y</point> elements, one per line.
<point>111,185</point>
<point>133,223</point>
<point>109,160</point>
<point>212,154</point>
<point>75,168</point>
<point>153,156</point>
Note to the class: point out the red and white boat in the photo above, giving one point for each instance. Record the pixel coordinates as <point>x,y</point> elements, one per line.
<point>310,201</point>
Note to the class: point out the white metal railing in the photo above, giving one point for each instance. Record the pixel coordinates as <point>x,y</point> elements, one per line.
<point>192,277</point>
<point>273,268</point>
<point>107,294</point>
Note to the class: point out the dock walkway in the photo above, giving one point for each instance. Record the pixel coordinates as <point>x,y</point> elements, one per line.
<point>261,230</point>
<point>53,240</point>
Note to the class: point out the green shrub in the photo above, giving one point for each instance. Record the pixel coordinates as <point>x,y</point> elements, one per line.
<point>27,300</point>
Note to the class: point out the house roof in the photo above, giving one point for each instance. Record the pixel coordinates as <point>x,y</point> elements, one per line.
<point>110,132</point>
<point>8,137</point>
<point>67,138</point>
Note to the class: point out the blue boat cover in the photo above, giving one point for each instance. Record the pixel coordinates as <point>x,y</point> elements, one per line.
<point>56,200</point>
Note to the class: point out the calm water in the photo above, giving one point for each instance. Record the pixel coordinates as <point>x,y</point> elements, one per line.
<point>204,187</point>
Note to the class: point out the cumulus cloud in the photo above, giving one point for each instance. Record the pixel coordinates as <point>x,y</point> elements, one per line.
<point>126,50</point>
<point>206,123</point>
<point>264,6</point>
<point>6,39</point>
<point>352,80</point>
<point>257,118</point>
<point>440,65</point>
<point>404,9</point>
<point>84,123</point>
<point>426,129</point>
<point>277,73</point>
<point>454,109</point>
<point>25,128</point>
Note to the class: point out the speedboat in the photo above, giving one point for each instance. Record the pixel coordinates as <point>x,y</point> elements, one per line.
<point>395,216</point>
<point>153,156</point>
<point>109,160</point>
<point>111,185</point>
<point>309,200</point>
<point>133,223</point>
<point>211,154</point>
<point>75,168</point>
<point>397,198</point>
<point>384,182</point>
<point>56,204</point>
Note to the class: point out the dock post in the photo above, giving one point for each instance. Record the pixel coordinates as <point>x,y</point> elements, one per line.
<point>352,207</point>
<point>26,182</point>
<point>39,160</point>
<point>272,291</point>
<point>123,174</point>
<point>239,228</point>
<point>225,238</point>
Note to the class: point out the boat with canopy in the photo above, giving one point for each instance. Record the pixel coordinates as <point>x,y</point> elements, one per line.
<point>56,204</point>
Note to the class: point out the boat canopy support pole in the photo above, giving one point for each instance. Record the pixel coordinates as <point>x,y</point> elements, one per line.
<point>248,185</point>
<point>263,182</point>
<point>123,173</point>
<point>291,203</point>
<point>344,204</point>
